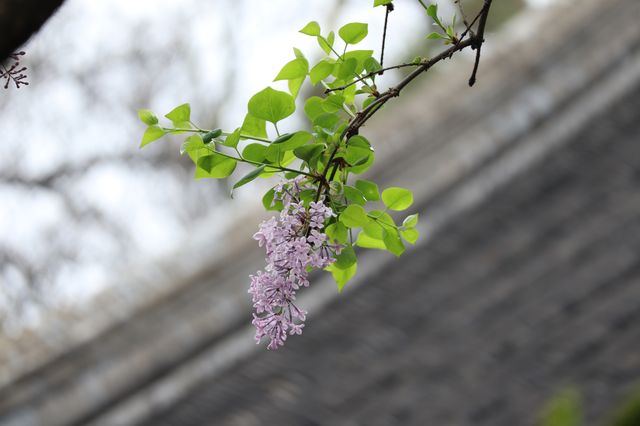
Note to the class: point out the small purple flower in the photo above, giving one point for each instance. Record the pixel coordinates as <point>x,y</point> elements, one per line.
<point>294,244</point>
<point>316,238</point>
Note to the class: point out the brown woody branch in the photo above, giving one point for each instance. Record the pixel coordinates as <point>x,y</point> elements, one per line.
<point>474,41</point>
<point>484,14</point>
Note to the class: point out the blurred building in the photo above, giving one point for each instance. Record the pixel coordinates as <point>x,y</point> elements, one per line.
<point>526,280</point>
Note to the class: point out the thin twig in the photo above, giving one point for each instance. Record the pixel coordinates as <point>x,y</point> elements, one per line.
<point>470,26</point>
<point>465,21</point>
<point>389,8</point>
<point>484,14</point>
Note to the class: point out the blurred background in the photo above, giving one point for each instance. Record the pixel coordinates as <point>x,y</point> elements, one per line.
<point>123,280</point>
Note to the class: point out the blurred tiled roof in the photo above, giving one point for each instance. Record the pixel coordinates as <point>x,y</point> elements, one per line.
<point>528,279</point>
<point>535,288</point>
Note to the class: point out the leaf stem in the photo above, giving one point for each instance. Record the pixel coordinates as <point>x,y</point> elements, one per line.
<point>257,163</point>
<point>377,219</point>
<point>174,130</point>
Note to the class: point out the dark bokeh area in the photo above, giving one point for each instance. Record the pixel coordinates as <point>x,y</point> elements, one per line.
<point>124,290</point>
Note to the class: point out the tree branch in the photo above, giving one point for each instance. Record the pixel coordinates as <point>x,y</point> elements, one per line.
<point>484,14</point>
<point>474,41</point>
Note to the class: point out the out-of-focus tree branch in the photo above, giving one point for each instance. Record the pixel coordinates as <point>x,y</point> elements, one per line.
<point>19,19</point>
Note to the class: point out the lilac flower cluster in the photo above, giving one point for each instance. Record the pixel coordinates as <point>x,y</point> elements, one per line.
<point>295,244</point>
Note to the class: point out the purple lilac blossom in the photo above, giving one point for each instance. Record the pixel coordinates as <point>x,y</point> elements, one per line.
<point>294,244</point>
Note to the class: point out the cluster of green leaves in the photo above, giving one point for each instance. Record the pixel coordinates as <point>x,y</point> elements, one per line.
<point>375,228</point>
<point>328,154</point>
<point>447,32</point>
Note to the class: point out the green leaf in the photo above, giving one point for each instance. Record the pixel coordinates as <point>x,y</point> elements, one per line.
<point>271,105</point>
<point>374,229</point>
<point>410,221</point>
<point>313,107</point>
<point>252,175</point>
<point>368,101</point>
<point>280,149</point>
<point>359,141</point>
<point>307,196</point>
<point>369,189</point>
<point>280,152</point>
<point>393,242</point>
<point>274,154</point>
<point>254,126</point>
<point>381,2</point>
<point>312,29</point>
<point>307,152</point>
<point>269,203</point>
<point>353,32</point>
<point>180,115</point>
<point>356,156</point>
<point>326,44</point>
<point>349,95</point>
<point>147,117</point>
<point>397,198</point>
<point>354,195</point>
<point>564,410</point>
<point>346,69</point>
<point>327,121</point>
<point>298,68</point>
<point>333,103</point>
<point>295,85</point>
<point>366,241</point>
<point>359,154</point>
<point>283,137</point>
<point>371,65</point>
<point>346,259</point>
<point>321,70</point>
<point>342,276</point>
<point>255,152</point>
<point>354,216</point>
<point>378,223</point>
<point>432,11</point>
<point>216,166</point>
<point>361,56</point>
<point>298,53</point>
<point>152,133</point>
<point>434,35</point>
<point>410,235</point>
<point>192,144</point>
<point>294,141</point>
<point>338,233</point>
<point>362,166</point>
<point>451,32</point>
<point>233,139</point>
